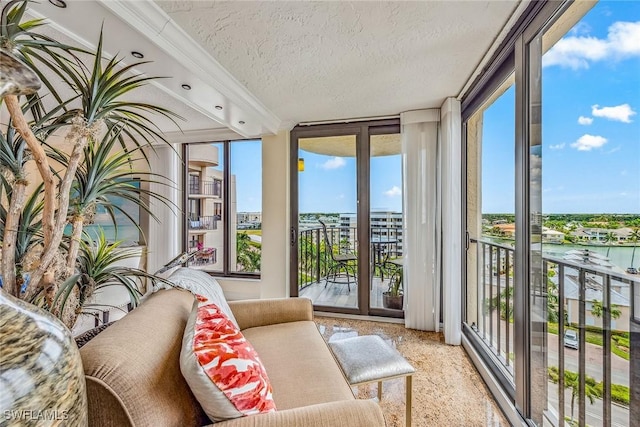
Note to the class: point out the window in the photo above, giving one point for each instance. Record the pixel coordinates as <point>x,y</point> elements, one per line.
<point>124,226</point>
<point>535,270</point>
<point>223,207</point>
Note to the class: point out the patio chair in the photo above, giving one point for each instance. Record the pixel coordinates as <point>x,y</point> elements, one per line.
<point>342,263</point>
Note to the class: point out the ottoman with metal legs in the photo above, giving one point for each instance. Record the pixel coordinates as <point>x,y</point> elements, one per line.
<point>367,359</point>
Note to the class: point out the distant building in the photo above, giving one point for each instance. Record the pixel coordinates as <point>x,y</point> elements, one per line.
<point>599,235</point>
<point>249,219</point>
<point>385,227</point>
<point>593,292</point>
<point>551,236</point>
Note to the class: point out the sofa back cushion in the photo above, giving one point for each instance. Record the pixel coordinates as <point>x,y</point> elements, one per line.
<point>133,367</point>
<point>199,282</point>
<point>221,367</point>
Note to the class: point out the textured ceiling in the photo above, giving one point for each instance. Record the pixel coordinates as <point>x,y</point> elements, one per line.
<point>313,61</point>
<point>256,67</point>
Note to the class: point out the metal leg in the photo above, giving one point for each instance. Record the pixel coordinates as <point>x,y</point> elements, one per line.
<point>408,400</point>
<point>379,391</point>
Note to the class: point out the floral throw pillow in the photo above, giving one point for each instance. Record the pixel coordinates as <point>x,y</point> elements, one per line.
<point>221,367</point>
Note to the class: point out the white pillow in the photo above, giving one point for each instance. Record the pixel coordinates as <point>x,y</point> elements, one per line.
<point>199,283</point>
<point>221,367</point>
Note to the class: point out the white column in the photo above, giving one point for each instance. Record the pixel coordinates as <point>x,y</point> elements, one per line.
<point>164,236</point>
<point>451,177</point>
<point>275,216</point>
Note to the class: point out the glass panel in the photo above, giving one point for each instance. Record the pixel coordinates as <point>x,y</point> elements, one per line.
<point>245,206</point>
<point>386,222</point>
<point>591,212</point>
<point>327,241</point>
<point>491,223</point>
<point>204,226</point>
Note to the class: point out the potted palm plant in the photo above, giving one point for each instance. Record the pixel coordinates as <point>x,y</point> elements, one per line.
<point>97,120</point>
<point>393,298</point>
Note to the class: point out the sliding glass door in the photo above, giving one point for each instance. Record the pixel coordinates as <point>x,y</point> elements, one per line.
<point>346,234</point>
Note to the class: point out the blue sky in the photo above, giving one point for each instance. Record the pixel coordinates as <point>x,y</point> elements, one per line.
<point>590,121</point>
<point>590,125</point>
<point>328,184</point>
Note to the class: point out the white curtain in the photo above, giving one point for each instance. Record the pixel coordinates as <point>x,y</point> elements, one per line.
<point>421,219</point>
<point>451,178</point>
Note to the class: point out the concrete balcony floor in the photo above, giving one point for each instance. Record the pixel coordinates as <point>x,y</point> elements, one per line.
<point>447,389</point>
<point>338,295</point>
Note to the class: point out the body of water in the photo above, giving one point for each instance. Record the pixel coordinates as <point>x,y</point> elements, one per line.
<point>618,255</point>
<point>128,234</point>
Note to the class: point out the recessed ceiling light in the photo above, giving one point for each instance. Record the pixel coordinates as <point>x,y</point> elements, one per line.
<point>186,87</point>
<point>218,107</point>
<point>137,54</point>
<point>59,3</point>
<point>241,122</point>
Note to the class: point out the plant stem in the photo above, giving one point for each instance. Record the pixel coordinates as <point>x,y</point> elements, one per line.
<point>74,244</point>
<point>42,162</point>
<point>10,237</point>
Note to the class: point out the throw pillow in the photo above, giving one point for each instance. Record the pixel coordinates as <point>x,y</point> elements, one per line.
<point>199,283</point>
<point>221,367</point>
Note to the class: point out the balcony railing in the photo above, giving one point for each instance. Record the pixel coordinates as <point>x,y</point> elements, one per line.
<point>206,188</point>
<point>203,223</point>
<point>581,297</point>
<point>314,260</point>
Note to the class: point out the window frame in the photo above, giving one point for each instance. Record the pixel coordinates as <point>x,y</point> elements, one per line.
<point>226,185</point>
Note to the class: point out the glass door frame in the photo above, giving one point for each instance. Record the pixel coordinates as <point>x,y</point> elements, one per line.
<point>362,131</point>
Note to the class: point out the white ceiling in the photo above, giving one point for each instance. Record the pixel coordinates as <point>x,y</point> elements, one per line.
<point>274,64</point>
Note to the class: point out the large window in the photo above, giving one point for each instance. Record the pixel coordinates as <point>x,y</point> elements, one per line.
<point>553,224</point>
<point>223,206</point>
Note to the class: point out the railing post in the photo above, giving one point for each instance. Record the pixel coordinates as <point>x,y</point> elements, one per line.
<point>318,273</point>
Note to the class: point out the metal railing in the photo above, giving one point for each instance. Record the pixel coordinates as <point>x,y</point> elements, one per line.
<point>314,260</point>
<point>582,297</point>
<point>202,223</point>
<point>206,188</point>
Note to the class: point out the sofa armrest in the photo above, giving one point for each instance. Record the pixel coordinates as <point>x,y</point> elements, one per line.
<point>352,413</point>
<point>264,312</point>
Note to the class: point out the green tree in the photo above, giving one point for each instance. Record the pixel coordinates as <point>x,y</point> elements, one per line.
<point>608,238</point>
<point>597,309</point>
<point>572,381</point>
<point>505,300</point>
<point>248,254</point>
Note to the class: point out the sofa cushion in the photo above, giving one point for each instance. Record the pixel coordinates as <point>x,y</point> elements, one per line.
<point>133,367</point>
<point>221,367</point>
<point>198,283</point>
<point>301,367</point>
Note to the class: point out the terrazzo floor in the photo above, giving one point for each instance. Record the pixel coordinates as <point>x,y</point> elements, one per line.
<point>447,389</point>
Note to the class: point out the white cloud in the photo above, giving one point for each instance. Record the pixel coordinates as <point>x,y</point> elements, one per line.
<point>585,120</point>
<point>334,163</point>
<point>623,40</point>
<point>588,142</point>
<point>557,146</point>
<point>394,191</point>
<point>619,113</point>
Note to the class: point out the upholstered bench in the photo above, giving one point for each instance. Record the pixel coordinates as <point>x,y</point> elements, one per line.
<point>367,359</point>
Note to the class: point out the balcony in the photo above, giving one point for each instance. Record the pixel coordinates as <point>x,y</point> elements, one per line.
<point>594,304</point>
<point>314,263</point>
<point>202,224</point>
<point>203,189</point>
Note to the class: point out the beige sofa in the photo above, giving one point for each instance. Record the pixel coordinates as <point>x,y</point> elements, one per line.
<point>133,373</point>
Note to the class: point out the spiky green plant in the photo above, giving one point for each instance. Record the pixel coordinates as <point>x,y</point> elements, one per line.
<point>96,269</point>
<point>96,106</point>
<point>104,176</point>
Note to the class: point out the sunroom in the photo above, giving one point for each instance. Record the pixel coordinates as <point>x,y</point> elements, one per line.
<point>351,152</point>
